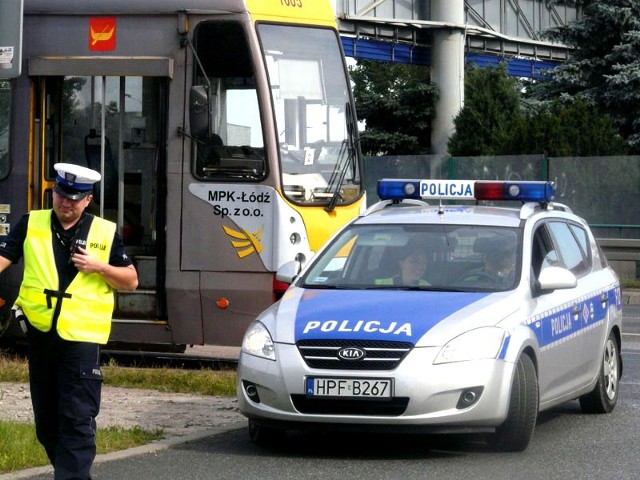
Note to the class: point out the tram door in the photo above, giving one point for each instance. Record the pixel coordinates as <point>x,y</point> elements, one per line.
<point>113,125</point>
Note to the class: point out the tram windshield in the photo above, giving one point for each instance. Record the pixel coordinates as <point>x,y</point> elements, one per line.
<point>314,119</point>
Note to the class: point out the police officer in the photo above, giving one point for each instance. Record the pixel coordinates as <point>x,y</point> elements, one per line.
<point>72,263</point>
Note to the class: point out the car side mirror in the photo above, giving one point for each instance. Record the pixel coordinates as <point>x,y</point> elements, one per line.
<point>555,278</point>
<point>288,271</point>
<point>200,111</point>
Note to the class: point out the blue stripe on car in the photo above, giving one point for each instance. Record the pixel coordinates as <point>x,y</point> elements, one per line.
<point>375,314</point>
<point>554,327</point>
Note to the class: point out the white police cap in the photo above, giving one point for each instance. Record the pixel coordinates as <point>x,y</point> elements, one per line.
<point>74,181</point>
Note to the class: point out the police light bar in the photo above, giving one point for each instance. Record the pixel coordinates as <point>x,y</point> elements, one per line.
<point>524,191</point>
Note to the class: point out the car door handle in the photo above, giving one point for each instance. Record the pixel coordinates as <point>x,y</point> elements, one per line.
<point>604,298</point>
<point>576,309</point>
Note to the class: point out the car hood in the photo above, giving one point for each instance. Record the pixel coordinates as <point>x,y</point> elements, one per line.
<point>423,318</point>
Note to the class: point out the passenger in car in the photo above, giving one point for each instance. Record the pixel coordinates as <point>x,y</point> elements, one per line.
<point>412,267</point>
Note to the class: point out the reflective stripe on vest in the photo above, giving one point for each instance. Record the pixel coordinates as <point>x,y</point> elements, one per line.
<point>87,304</point>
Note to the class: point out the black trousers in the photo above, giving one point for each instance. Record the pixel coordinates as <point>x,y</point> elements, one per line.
<point>66,382</point>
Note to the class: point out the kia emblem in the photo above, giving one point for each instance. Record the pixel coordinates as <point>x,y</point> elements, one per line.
<point>351,353</point>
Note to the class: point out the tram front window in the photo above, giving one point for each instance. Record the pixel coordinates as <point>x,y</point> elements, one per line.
<point>5,104</point>
<point>315,122</point>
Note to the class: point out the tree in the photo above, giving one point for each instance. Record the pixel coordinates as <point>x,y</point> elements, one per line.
<point>604,65</point>
<point>492,103</point>
<point>573,130</point>
<point>496,121</point>
<point>397,104</point>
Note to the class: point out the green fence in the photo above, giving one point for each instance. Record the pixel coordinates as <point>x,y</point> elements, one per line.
<point>605,191</point>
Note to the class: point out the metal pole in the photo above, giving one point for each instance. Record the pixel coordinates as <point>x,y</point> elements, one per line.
<point>120,220</point>
<point>103,125</point>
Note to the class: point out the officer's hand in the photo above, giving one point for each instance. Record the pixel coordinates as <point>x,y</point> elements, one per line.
<point>86,263</point>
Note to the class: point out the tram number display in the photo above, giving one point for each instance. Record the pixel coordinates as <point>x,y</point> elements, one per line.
<point>349,387</point>
<point>291,3</point>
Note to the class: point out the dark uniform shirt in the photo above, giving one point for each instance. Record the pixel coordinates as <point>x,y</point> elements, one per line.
<point>12,246</point>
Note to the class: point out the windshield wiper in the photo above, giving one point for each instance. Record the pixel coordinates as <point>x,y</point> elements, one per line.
<point>341,286</point>
<point>349,145</point>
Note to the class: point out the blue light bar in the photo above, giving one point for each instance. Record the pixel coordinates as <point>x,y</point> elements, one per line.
<point>524,191</point>
<point>391,189</point>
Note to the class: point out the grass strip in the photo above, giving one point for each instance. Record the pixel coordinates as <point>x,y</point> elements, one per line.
<point>20,449</point>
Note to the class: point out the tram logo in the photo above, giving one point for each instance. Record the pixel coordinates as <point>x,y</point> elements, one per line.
<point>245,242</point>
<point>102,34</point>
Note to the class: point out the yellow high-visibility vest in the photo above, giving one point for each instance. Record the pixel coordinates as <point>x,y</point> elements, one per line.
<point>87,304</point>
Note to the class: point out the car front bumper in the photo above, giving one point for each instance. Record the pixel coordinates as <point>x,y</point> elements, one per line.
<point>432,393</point>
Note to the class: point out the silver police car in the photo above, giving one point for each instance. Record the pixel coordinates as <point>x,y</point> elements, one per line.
<point>426,314</point>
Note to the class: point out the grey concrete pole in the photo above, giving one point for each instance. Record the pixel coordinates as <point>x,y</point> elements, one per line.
<point>447,70</point>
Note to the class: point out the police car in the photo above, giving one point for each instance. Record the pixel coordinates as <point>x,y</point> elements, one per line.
<point>439,316</point>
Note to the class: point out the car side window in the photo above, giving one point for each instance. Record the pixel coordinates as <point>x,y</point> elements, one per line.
<point>571,250</point>
<point>582,238</point>
<point>543,254</point>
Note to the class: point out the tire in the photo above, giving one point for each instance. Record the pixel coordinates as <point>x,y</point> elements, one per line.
<point>603,398</point>
<point>515,433</point>
<point>266,436</point>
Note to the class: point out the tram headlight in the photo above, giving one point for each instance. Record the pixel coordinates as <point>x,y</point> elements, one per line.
<point>295,238</point>
<point>257,341</point>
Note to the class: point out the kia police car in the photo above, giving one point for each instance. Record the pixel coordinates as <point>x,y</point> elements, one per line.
<point>424,314</point>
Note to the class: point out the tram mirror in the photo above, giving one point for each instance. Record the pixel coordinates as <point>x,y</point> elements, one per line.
<point>200,111</point>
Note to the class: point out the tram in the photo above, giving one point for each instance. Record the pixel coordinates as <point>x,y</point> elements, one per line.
<point>225,132</point>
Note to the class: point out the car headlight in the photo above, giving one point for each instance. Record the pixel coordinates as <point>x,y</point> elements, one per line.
<point>472,345</point>
<point>257,341</point>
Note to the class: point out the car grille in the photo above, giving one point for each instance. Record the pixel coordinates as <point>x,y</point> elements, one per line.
<point>379,355</point>
<point>328,406</point>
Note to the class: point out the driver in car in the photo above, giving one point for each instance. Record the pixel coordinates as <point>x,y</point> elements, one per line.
<point>498,270</point>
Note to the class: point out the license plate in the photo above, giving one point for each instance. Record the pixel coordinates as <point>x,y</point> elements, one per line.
<point>349,387</point>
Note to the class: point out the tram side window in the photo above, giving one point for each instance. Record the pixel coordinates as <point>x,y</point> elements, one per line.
<point>5,110</point>
<point>232,146</point>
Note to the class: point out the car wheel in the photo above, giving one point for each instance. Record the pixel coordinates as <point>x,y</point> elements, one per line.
<point>603,398</point>
<point>265,435</point>
<point>516,431</point>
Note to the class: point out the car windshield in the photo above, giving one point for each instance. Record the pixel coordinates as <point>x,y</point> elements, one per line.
<point>424,257</point>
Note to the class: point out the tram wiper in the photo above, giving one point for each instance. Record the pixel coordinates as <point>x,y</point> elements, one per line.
<point>349,145</point>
